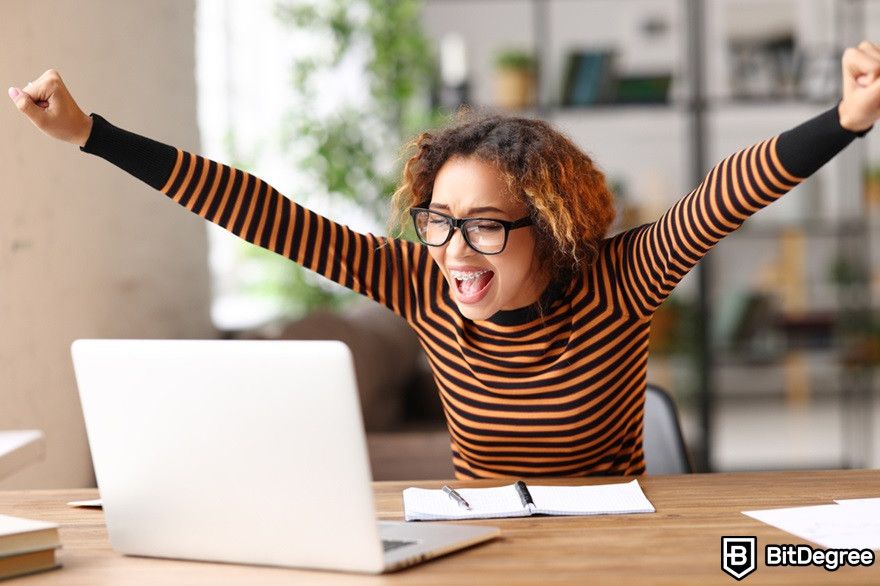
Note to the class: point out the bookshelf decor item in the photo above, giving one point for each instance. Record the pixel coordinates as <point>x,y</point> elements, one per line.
<point>642,89</point>
<point>589,78</point>
<point>454,88</point>
<point>515,79</point>
<point>820,76</point>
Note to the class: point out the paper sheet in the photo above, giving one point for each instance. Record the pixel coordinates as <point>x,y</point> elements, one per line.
<point>96,504</point>
<point>873,503</point>
<point>844,525</point>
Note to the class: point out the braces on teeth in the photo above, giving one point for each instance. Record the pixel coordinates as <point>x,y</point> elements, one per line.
<point>468,277</point>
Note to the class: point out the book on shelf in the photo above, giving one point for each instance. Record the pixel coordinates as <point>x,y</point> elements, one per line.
<point>589,78</point>
<point>27,546</point>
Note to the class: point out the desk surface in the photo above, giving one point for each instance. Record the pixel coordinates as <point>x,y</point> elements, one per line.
<point>679,544</point>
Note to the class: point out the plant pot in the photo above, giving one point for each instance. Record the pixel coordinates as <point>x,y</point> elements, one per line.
<point>872,192</point>
<point>514,88</point>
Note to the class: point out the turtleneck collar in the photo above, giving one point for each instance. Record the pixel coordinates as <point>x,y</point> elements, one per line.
<point>529,313</point>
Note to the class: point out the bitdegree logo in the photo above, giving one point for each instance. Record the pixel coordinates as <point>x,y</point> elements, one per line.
<point>805,555</point>
<point>739,556</point>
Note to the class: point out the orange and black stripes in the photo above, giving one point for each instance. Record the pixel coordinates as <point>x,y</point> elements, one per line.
<point>254,211</point>
<point>523,396</point>
<point>655,257</point>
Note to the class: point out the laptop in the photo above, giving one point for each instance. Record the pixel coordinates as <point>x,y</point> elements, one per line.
<point>242,451</point>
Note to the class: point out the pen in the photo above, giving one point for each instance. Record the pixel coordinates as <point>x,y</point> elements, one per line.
<point>456,497</point>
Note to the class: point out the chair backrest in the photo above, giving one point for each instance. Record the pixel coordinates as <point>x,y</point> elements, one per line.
<point>663,442</point>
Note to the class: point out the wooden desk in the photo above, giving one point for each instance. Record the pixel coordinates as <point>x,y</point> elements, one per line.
<point>679,544</point>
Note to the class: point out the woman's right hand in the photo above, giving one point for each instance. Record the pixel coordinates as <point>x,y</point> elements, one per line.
<point>47,103</point>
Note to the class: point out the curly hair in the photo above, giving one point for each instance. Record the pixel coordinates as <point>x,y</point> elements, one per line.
<point>567,197</point>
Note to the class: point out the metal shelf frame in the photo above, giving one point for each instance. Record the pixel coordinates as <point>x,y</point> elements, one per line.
<point>848,27</point>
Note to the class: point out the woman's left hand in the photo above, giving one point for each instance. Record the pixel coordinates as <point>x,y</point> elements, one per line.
<point>860,106</point>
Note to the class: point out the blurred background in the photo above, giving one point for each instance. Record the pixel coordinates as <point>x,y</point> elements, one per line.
<point>770,347</point>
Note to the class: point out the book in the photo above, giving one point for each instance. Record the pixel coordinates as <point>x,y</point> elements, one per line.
<point>27,546</point>
<point>28,563</point>
<point>589,78</point>
<point>642,89</point>
<point>19,535</point>
<point>522,500</point>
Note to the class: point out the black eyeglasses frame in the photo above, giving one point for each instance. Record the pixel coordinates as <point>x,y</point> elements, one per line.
<point>460,222</point>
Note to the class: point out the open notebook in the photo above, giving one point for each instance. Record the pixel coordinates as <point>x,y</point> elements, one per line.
<point>521,500</point>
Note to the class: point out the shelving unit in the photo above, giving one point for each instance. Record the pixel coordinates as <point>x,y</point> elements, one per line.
<point>708,125</point>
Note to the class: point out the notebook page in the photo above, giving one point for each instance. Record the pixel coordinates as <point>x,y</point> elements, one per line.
<point>422,504</point>
<point>618,498</point>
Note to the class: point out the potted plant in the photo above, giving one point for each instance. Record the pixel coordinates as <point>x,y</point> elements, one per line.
<point>515,77</point>
<point>871,177</point>
<point>343,151</point>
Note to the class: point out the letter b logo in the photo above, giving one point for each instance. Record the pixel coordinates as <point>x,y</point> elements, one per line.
<point>739,556</point>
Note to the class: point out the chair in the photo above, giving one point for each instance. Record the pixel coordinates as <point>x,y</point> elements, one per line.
<point>663,442</point>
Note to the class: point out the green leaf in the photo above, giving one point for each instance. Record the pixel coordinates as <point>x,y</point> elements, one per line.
<point>343,151</point>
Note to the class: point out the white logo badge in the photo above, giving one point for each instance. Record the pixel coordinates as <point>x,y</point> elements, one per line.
<point>739,556</point>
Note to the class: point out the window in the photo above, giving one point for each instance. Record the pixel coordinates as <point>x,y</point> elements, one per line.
<point>243,57</point>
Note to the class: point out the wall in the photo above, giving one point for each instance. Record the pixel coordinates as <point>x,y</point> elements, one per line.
<point>85,249</point>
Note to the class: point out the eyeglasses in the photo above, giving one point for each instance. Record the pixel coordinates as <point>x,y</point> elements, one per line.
<point>485,235</point>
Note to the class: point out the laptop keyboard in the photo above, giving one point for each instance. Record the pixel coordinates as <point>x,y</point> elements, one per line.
<point>389,544</point>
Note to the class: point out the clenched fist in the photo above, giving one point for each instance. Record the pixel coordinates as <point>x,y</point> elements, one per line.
<point>48,104</point>
<point>860,106</point>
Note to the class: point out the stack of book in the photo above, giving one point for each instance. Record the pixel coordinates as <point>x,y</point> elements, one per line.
<point>27,546</point>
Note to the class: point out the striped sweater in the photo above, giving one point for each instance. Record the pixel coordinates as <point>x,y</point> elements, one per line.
<point>523,396</point>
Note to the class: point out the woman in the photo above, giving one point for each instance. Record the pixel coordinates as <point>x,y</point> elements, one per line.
<point>536,325</point>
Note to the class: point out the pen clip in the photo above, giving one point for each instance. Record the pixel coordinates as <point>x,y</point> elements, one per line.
<point>524,495</point>
<point>453,494</point>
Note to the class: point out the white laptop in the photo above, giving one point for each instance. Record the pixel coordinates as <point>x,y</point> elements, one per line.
<point>242,451</point>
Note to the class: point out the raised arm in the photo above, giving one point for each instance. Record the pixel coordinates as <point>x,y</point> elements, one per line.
<point>653,258</point>
<point>380,268</point>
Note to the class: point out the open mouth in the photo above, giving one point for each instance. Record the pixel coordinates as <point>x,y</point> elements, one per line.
<point>473,288</point>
